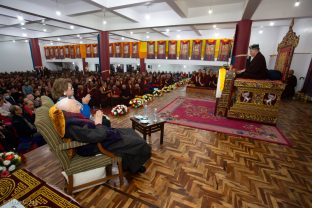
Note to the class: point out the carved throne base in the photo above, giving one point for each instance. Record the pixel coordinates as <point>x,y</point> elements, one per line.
<point>256,100</point>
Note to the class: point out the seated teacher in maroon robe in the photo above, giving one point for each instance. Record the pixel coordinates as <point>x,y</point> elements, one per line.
<point>256,66</point>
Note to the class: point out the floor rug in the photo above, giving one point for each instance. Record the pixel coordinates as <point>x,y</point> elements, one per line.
<point>30,191</point>
<point>198,113</point>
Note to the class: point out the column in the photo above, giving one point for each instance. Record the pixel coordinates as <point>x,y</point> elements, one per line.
<point>35,52</point>
<point>241,43</point>
<point>84,64</point>
<point>103,48</point>
<point>142,65</point>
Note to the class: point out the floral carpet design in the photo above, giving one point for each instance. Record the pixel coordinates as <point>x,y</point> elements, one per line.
<point>198,113</point>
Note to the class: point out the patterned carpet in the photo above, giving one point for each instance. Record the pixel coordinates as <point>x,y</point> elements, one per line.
<point>199,113</point>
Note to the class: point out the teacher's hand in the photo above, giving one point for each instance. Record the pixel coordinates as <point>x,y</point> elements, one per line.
<point>86,99</point>
<point>98,117</point>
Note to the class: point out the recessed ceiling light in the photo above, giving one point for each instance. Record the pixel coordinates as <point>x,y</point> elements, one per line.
<point>20,18</point>
<point>184,66</point>
<point>58,39</point>
<point>72,27</point>
<point>81,42</point>
<point>178,36</point>
<point>272,23</point>
<point>26,41</point>
<point>216,34</point>
<point>122,38</point>
<point>58,13</point>
<point>210,11</point>
<point>24,34</point>
<point>167,30</point>
<point>44,30</point>
<point>159,65</point>
<point>104,22</point>
<point>43,23</point>
<point>131,33</point>
<point>78,36</point>
<point>147,37</point>
<point>260,31</point>
<point>147,17</point>
<point>23,28</point>
<point>214,26</point>
<point>297,3</point>
<point>22,23</point>
<point>51,43</point>
<point>13,41</point>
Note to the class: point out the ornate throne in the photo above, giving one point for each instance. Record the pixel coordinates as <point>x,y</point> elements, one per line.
<point>258,100</point>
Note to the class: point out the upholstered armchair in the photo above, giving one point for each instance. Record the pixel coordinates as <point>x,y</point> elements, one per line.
<point>74,164</point>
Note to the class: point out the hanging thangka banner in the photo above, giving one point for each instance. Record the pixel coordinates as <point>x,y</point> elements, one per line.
<point>118,49</point>
<point>172,49</point>
<point>95,50</point>
<point>77,50</point>
<point>126,50</point>
<point>184,49</point>
<point>47,52</point>
<point>161,49</point>
<point>72,51</point>
<point>196,49</point>
<point>210,50</point>
<point>56,52</point>
<point>111,50</point>
<point>67,55</point>
<point>151,49</point>
<point>135,50</point>
<point>224,50</point>
<point>61,50</point>
<point>88,50</point>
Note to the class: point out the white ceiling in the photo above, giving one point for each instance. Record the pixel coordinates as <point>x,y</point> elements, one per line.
<point>129,20</point>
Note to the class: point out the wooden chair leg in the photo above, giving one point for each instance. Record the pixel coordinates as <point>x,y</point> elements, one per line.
<point>70,184</point>
<point>120,173</point>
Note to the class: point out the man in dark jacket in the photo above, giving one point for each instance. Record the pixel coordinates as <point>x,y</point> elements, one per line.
<point>256,66</point>
<point>125,143</point>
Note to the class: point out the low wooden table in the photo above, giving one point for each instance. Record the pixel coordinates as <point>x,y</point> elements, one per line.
<point>148,129</point>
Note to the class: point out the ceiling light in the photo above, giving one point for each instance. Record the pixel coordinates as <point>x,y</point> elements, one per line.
<point>214,26</point>
<point>260,31</point>
<point>159,65</point>
<point>51,43</point>
<point>20,18</point>
<point>104,22</point>
<point>271,23</point>
<point>26,41</point>
<point>58,39</point>
<point>22,23</point>
<point>72,27</point>
<point>184,66</point>
<point>122,38</point>
<point>23,28</point>
<point>167,30</point>
<point>210,11</point>
<point>297,3</point>
<point>43,23</point>
<point>147,17</point>
<point>78,36</point>
<point>216,34</point>
<point>131,33</point>
<point>58,13</point>
<point>24,34</point>
<point>178,36</point>
<point>13,41</point>
<point>147,32</point>
<point>44,30</point>
<point>147,37</point>
<point>178,30</point>
<point>81,42</point>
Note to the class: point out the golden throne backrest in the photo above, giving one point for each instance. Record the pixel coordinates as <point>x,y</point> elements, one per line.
<point>285,51</point>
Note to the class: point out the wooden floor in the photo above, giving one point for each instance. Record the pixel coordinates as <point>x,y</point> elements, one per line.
<point>196,168</point>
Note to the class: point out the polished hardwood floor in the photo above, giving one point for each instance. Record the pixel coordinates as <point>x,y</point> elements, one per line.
<point>196,168</point>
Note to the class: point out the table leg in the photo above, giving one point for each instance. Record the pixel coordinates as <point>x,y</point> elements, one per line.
<point>133,125</point>
<point>144,134</point>
<point>149,132</point>
<point>162,134</point>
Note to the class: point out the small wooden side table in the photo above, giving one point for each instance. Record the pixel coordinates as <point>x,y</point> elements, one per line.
<point>148,129</point>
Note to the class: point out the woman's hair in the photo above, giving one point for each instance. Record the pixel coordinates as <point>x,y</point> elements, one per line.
<point>13,109</point>
<point>59,87</point>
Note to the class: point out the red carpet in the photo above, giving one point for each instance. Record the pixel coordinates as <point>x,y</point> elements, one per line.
<point>198,113</point>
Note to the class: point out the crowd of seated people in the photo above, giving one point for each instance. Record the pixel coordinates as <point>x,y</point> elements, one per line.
<point>205,78</point>
<point>20,94</point>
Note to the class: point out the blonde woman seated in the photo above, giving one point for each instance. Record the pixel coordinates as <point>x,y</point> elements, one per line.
<point>123,142</point>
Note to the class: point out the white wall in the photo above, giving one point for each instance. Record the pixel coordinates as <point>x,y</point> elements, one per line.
<point>15,57</point>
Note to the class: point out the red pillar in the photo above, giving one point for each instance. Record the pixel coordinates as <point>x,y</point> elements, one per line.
<point>84,64</point>
<point>103,48</point>
<point>241,43</point>
<point>142,65</point>
<point>35,52</point>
